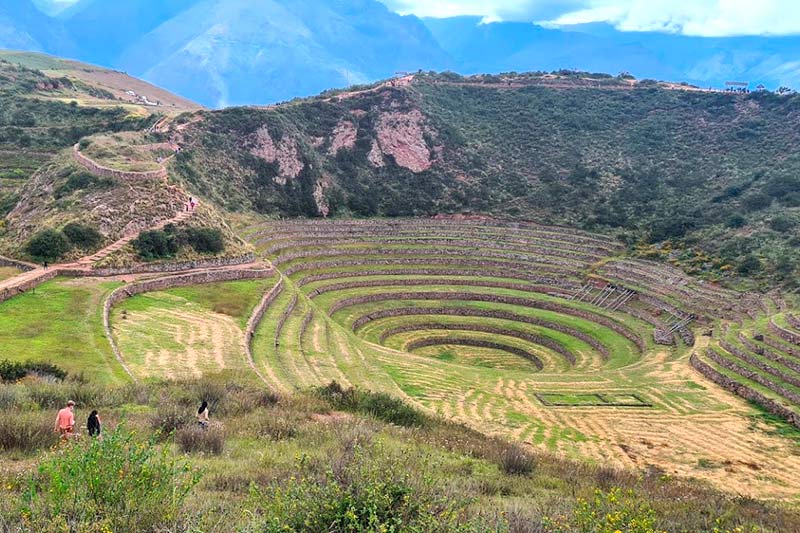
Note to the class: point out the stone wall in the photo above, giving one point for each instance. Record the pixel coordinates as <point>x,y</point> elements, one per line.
<point>461,341</point>
<point>494,298</point>
<point>106,172</point>
<point>7,294</point>
<point>783,333</point>
<point>532,338</point>
<point>756,362</point>
<point>162,268</point>
<point>13,263</point>
<point>745,392</point>
<point>534,278</point>
<point>486,313</point>
<point>769,354</point>
<point>753,376</point>
<point>418,282</point>
<point>254,321</point>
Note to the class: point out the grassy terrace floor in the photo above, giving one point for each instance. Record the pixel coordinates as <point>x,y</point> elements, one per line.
<point>187,332</point>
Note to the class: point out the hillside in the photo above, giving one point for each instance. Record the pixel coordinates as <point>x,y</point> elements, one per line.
<point>706,179</point>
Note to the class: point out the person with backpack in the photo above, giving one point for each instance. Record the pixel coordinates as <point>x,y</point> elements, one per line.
<point>93,425</point>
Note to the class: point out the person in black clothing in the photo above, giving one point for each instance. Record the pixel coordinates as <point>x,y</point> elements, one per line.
<point>93,424</point>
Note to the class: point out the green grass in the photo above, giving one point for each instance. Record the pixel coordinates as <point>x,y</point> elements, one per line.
<point>61,322</point>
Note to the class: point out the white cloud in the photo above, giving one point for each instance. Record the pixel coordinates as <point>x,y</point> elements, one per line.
<point>690,17</point>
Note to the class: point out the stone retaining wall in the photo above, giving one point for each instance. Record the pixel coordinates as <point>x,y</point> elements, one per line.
<point>283,318</point>
<point>447,262</point>
<point>532,338</point>
<point>752,376</point>
<point>793,321</point>
<point>13,263</point>
<point>745,392</point>
<point>785,334</point>
<point>461,341</point>
<point>440,253</point>
<point>425,235</point>
<point>169,282</point>
<point>533,278</point>
<point>344,285</point>
<point>304,327</point>
<point>253,322</point>
<point>484,313</point>
<point>565,252</point>
<point>769,354</point>
<point>106,172</point>
<point>163,268</point>
<point>428,223</point>
<point>769,341</point>
<point>7,294</point>
<point>754,361</point>
<point>498,299</point>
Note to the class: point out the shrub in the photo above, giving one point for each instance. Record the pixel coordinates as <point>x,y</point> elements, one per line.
<point>82,236</point>
<point>749,265</point>
<point>194,438</point>
<point>114,482</point>
<point>48,245</point>
<point>608,512</point>
<point>14,371</point>
<point>736,221</point>
<point>205,240</point>
<point>781,224</point>
<point>380,405</point>
<point>517,461</point>
<point>155,244</point>
<point>26,431</point>
<point>169,417</point>
<point>80,181</point>
<point>358,493</point>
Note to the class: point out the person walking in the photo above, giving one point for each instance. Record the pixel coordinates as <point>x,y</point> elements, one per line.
<point>93,425</point>
<point>65,421</point>
<point>202,415</point>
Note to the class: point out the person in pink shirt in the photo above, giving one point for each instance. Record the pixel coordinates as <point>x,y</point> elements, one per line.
<point>65,420</point>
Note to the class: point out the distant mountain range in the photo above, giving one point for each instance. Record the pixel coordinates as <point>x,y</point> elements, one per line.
<point>226,52</point>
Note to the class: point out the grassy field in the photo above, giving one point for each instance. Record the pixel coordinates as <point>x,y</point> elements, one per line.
<point>61,322</point>
<point>320,461</point>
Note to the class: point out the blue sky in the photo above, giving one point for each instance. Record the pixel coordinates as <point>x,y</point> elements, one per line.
<point>690,17</point>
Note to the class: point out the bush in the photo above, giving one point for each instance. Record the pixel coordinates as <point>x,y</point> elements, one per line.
<point>82,236</point>
<point>14,371</point>
<point>113,482</point>
<point>736,221</point>
<point>155,244</point>
<point>170,417</point>
<point>359,493</point>
<point>194,438</point>
<point>608,512</point>
<point>48,245</point>
<point>380,405</point>
<point>80,181</point>
<point>26,432</point>
<point>205,240</point>
<point>516,461</point>
<point>781,224</point>
<point>749,265</point>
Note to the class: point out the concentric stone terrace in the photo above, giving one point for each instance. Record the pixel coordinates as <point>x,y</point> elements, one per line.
<point>547,335</point>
